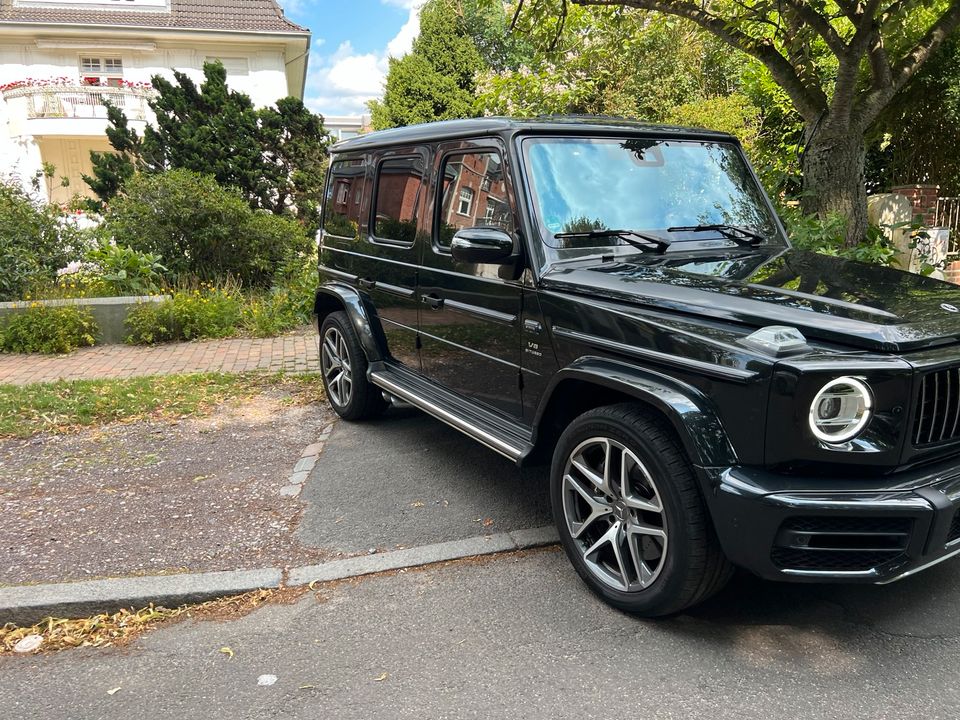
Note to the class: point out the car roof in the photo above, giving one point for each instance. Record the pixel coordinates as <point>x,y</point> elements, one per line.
<point>504,126</point>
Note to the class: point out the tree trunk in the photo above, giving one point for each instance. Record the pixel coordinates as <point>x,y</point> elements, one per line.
<point>833,178</point>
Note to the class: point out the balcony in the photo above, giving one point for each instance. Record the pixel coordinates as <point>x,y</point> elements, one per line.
<point>67,109</point>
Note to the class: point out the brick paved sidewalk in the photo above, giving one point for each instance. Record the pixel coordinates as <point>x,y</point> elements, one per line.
<point>290,353</point>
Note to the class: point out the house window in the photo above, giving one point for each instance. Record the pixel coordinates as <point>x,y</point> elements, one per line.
<point>466,201</point>
<point>101,71</point>
<point>473,193</point>
<point>398,195</point>
<point>342,190</point>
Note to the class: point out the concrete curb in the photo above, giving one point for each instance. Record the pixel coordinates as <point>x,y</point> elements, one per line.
<point>26,604</point>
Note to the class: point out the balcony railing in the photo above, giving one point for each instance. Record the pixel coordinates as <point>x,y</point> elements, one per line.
<point>80,101</point>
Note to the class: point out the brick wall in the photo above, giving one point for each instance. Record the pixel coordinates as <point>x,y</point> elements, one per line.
<point>923,198</point>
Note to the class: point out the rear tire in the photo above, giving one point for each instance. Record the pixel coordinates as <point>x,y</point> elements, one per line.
<point>343,367</point>
<point>630,515</point>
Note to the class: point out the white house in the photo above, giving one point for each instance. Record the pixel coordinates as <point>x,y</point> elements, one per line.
<point>342,127</point>
<point>60,60</point>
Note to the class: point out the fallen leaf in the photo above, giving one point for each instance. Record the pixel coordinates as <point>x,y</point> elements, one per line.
<point>487,522</point>
<point>382,677</point>
<point>226,651</point>
<point>114,691</point>
<point>417,504</point>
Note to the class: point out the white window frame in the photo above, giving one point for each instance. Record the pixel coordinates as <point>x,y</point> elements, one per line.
<point>343,192</point>
<point>111,77</point>
<point>466,196</point>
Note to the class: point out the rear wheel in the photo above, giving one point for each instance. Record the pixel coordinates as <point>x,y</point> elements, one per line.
<point>630,515</point>
<point>343,366</point>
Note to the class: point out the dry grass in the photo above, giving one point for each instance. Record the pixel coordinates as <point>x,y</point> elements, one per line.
<point>122,627</point>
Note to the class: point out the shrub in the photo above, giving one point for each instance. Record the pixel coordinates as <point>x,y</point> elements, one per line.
<point>206,312</point>
<point>202,229</point>
<point>827,237</point>
<point>35,241</point>
<point>124,271</point>
<point>49,329</point>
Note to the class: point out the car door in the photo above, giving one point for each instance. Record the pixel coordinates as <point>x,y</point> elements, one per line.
<point>469,313</point>
<point>384,255</point>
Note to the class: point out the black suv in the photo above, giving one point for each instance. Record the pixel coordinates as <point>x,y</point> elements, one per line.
<point>623,298</point>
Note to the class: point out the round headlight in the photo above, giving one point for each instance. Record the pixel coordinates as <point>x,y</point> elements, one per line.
<point>841,410</point>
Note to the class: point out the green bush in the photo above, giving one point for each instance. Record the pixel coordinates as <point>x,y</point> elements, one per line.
<point>35,241</point>
<point>202,229</point>
<point>124,271</point>
<point>48,329</point>
<point>827,237</point>
<point>205,312</point>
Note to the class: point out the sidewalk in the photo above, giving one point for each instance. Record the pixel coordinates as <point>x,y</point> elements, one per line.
<point>289,353</point>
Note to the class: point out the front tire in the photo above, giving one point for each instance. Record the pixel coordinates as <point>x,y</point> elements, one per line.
<point>630,515</point>
<point>343,367</point>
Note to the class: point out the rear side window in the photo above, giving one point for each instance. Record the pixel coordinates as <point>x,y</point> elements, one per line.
<point>399,186</point>
<point>474,194</point>
<point>341,214</point>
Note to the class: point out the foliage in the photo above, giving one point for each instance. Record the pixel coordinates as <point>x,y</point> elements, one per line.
<point>914,142</point>
<point>48,329</point>
<point>608,62</point>
<point>124,271</point>
<point>435,80</point>
<point>201,228</point>
<point>275,157</point>
<point>734,114</point>
<point>840,65</point>
<point>828,237</point>
<point>205,312</point>
<point>61,406</point>
<point>35,241</point>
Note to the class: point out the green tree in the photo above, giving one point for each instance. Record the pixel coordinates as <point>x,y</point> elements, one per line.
<point>915,139</point>
<point>274,156</point>
<point>841,63</point>
<point>436,79</point>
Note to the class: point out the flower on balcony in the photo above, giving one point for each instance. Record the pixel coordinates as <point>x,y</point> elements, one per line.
<point>37,82</point>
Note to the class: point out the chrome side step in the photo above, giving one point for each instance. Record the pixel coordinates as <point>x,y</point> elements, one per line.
<point>395,383</point>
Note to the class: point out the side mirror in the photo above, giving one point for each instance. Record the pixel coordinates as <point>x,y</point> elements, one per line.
<point>482,245</point>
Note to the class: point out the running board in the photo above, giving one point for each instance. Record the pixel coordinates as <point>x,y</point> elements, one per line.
<point>500,434</point>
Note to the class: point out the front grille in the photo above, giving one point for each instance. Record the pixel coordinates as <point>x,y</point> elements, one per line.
<point>840,544</point>
<point>954,533</point>
<point>937,417</point>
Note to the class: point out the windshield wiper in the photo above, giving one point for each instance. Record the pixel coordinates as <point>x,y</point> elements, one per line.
<point>739,234</point>
<point>640,240</point>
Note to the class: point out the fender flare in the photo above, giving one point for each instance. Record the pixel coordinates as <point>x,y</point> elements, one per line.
<point>689,411</point>
<point>336,296</point>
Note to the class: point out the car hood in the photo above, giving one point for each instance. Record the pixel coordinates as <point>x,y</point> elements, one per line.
<point>866,306</point>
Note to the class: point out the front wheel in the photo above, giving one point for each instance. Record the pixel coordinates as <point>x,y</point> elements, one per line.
<point>629,513</point>
<point>343,366</point>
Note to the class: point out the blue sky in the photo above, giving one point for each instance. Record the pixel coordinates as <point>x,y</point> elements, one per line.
<point>352,40</point>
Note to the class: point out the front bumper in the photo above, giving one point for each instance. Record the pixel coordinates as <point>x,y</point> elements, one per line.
<point>821,529</point>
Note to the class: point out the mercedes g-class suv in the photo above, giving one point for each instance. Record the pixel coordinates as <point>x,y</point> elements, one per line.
<point>623,298</point>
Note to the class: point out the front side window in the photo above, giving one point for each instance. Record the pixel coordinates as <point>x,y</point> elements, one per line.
<point>399,184</point>
<point>657,186</point>
<point>474,194</point>
<point>341,217</point>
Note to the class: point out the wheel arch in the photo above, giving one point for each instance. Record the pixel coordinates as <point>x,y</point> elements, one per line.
<point>334,297</point>
<point>590,383</point>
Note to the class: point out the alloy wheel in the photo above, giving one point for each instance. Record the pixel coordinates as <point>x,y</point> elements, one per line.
<point>614,514</point>
<point>335,366</point>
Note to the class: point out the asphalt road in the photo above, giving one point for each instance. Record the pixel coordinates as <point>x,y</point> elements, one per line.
<point>406,480</point>
<point>518,636</point>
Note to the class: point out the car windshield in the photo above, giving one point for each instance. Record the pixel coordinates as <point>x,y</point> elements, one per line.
<point>684,191</point>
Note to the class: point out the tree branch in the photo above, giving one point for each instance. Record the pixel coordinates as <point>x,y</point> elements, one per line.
<point>873,102</point>
<point>809,101</point>
<point>820,25</point>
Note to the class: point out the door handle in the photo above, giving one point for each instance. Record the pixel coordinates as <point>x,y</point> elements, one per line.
<point>433,300</point>
<point>367,284</point>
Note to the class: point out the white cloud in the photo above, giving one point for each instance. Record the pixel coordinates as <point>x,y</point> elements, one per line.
<point>343,83</point>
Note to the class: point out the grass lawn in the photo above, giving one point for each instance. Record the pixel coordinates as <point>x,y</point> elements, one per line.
<point>26,410</point>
